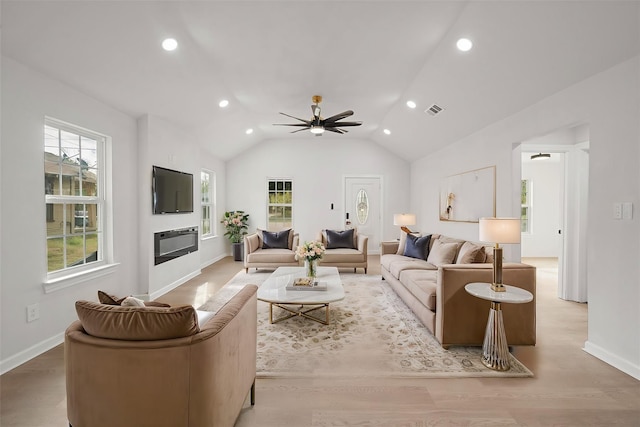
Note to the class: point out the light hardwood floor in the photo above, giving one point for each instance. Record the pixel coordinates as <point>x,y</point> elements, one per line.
<point>570,387</point>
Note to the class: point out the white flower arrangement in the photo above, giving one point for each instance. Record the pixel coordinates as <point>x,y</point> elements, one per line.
<point>310,251</point>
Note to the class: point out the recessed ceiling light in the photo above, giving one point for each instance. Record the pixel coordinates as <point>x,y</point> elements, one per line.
<point>169,44</point>
<point>223,103</point>
<point>387,132</point>
<point>464,45</point>
<point>411,104</point>
<point>249,131</point>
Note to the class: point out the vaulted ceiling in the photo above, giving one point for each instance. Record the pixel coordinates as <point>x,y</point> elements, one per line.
<point>267,57</point>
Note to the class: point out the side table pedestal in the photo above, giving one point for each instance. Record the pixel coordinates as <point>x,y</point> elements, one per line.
<point>495,350</point>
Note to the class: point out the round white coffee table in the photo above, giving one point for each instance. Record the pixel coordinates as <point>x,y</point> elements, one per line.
<point>495,351</point>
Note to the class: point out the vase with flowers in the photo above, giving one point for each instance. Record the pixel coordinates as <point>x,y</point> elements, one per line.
<point>236,225</point>
<point>310,252</point>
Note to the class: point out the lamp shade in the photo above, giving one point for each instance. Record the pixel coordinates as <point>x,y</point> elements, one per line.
<point>500,230</point>
<point>404,219</point>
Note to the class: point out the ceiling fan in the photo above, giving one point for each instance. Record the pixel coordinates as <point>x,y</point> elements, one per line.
<point>317,125</point>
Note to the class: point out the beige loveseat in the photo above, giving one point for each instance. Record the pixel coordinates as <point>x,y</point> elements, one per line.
<point>353,255</point>
<point>158,367</point>
<point>257,254</point>
<point>434,290</point>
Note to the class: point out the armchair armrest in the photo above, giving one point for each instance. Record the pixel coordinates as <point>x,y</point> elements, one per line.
<point>251,244</point>
<point>296,242</point>
<point>390,247</point>
<point>363,242</point>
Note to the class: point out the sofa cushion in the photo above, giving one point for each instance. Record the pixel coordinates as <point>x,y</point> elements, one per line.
<point>275,239</point>
<point>422,284</point>
<point>272,256</point>
<point>417,247</point>
<point>342,255</point>
<point>137,323</point>
<point>340,239</point>
<point>442,253</point>
<point>406,263</point>
<point>468,253</point>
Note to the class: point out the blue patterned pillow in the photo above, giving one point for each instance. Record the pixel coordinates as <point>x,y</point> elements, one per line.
<point>417,247</point>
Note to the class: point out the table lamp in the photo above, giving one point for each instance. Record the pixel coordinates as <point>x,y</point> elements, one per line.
<point>499,230</point>
<point>404,219</point>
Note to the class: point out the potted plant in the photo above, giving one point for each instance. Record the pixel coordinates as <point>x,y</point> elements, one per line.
<point>235,225</point>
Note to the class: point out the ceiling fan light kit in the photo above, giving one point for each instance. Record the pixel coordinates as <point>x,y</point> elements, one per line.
<point>317,125</point>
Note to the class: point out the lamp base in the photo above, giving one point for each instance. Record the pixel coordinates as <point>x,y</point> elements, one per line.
<point>498,287</point>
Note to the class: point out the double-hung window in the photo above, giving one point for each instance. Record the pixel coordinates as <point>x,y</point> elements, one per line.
<point>74,187</point>
<point>208,203</point>
<point>280,204</point>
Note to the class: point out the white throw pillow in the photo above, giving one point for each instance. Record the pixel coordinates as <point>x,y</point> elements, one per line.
<point>132,302</point>
<point>442,253</point>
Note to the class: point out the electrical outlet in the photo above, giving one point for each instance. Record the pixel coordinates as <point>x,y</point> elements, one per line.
<point>33,312</point>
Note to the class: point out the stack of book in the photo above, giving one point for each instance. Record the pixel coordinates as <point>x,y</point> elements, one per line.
<point>306,284</point>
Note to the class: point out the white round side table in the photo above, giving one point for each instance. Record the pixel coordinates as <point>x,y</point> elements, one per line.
<point>495,351</point>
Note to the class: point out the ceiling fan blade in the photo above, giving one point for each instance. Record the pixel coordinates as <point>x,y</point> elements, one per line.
<point>339,116</point>
<point>292,124</point>
<point>302,120</point>
<point>336,130</point>
<point>299,130</point>
<point>334,124</point>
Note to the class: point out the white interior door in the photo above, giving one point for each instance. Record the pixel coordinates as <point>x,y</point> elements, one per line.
<point>363,208</point>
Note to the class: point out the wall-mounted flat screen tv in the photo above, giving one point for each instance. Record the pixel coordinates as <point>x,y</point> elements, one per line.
<point>172,191</point>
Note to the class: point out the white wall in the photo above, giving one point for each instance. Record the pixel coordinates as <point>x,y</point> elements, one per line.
<point>27,97</point>
<point>317,167</point>
<point>544,176</point>
<point>613,246</point>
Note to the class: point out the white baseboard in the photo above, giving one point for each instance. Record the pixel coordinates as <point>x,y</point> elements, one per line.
<point>174,285</point>
<point>31,352</point>
<point>613,360</point>
<point>211,261</point>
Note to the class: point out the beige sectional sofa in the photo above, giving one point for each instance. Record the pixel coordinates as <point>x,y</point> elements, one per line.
<point>433,289</point>
<point>353,255</point>
<point>257,254</point>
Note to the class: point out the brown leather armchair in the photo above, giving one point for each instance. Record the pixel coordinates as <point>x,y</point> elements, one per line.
<point>199,376</point>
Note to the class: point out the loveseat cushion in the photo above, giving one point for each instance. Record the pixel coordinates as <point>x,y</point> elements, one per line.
<point>275,239</point>
<point>137,323</point>
<point>340,239</point>
<point>343,256</point>
<point>422,284</point>
<point>271,256</point>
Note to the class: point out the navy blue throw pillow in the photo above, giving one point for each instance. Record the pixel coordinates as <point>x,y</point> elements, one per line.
<point>275,239</point>
<point>340,239</point>
<point>417,247</point>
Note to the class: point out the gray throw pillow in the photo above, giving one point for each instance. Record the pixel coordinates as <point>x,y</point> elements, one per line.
<point>275,239</point>
<point>340,239</point>
<point>417,247</point>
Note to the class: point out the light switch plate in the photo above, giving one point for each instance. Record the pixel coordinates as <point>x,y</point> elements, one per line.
<point>617,210</point>
<point>627,210</point>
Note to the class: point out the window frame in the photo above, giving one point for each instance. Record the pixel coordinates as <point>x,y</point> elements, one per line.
<point>212,204</point>
<point>72,275</point>
<point>275,180</point>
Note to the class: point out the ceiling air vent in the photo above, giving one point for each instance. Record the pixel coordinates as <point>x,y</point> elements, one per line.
<point>434,110</point>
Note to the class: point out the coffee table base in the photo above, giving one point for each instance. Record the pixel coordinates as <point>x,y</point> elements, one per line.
<point>300,311</point>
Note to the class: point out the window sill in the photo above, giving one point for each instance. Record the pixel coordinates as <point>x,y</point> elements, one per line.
<point>57,284</point>
<point>208,237</point>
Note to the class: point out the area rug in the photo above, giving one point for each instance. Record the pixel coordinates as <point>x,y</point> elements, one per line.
<point>372,334</point>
